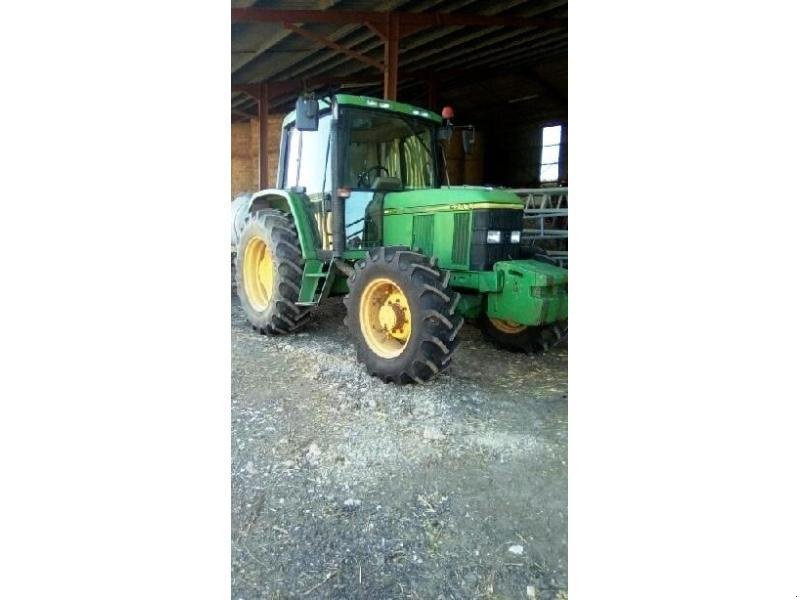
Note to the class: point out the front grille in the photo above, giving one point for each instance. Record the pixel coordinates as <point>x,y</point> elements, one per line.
<point>483,255</point>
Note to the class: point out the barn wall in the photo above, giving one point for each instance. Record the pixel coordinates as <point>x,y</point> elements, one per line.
<point>244,154</point>
<point>511,108</point>
<point>505,154</point>
<point>244,157</point>
<point>514,152</point>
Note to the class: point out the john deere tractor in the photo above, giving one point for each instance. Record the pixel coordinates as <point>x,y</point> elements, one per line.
<point>364,211</point>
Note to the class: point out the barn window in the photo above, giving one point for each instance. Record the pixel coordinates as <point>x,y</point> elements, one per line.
<point>551,152</point>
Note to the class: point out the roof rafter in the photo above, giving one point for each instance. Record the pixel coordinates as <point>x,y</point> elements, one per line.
<point>274,39</point>
<point>429,37</point>
<point>344,35</point>
<point>334,46</point>
<point>438,19</point>
<point>371,44</point>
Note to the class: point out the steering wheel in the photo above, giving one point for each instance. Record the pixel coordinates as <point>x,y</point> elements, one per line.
<point>364,178</point>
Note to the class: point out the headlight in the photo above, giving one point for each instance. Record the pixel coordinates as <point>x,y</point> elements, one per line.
<point>493,237</point>
<point>515,237</point>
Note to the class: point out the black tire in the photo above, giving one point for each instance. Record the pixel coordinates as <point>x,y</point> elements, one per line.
<point>281,314</point>
<point>528,340</point>
<point>434,323</point>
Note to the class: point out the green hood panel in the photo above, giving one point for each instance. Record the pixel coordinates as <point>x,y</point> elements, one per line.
<point>451,198</point>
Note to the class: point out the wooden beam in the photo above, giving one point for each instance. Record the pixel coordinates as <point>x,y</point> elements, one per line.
<point>407,29</point>
<point>240,61</point>
<point>263,159</point>
<point>478,20</point>
<point>530,55</point>
<point>546,88</point>
<point>355,35</point>
<point>429,38</point>
<point>409,19</point>
<point>378,29</point>
<point>479,43</point>
<point>272,15</point>
<point>251,89</point>
<point>243,114</point>
<point>287,86</point>
<point>433,94</point>
<point>391,58</point>
<point>282,91</point>
<point>335,46</point>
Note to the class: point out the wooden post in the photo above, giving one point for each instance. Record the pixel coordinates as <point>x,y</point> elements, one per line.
<point>391,53</point>
<point>263,114</point>
<point>433,94</point>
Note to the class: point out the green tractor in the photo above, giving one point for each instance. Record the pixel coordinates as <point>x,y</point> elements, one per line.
<point>362,212</point>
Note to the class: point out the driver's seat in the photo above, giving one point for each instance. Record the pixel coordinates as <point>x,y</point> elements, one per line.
<point>373,217</point>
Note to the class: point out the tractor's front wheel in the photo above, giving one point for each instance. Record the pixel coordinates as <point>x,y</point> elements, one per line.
<point>269,271</point>
<point>402,315</point>
<point>509,335</point>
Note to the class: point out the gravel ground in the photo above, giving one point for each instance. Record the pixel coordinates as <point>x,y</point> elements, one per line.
<point>346,487</point>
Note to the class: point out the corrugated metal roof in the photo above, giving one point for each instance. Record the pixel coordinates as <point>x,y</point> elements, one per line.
<point>482,65</point>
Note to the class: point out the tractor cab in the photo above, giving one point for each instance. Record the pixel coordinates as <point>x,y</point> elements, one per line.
<point>361,150</point>
<point>381,152</point>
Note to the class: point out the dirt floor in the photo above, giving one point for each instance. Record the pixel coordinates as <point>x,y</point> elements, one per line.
<point>346,487</point>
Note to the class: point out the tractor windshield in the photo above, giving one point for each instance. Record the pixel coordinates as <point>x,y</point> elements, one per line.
<point>380,146</point>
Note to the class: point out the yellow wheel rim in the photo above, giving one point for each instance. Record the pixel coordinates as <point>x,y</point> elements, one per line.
<point>508,326</point>
<point>258,273</point>
<point>385,318</point>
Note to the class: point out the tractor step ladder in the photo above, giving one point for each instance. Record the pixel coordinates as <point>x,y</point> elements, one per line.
<point>324,283</point>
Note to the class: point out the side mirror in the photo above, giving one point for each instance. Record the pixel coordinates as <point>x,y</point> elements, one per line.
<point>307,113</point>
<point>468,139</point>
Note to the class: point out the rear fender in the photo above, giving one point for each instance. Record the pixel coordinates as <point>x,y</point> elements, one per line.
<point>299,206</point>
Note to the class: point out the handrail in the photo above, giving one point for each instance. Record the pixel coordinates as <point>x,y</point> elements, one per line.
<point>545,219</point>
<point>540,191</point>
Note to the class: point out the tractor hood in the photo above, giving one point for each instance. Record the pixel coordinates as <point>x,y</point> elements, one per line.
<point>464,197</point>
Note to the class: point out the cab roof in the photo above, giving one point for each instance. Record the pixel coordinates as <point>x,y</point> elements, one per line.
<point>376,103</point>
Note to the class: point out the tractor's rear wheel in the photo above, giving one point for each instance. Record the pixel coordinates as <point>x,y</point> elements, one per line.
<point>269,272</point>
<point>509,335</point>
<point>401,315</point>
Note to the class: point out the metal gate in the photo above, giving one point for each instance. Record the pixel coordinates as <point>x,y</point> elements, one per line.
<point>545,220</point>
